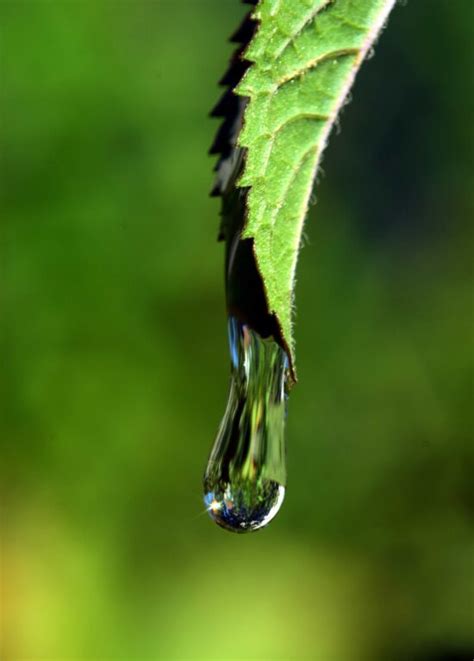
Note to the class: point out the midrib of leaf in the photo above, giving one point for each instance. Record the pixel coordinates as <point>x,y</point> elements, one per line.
<point>304,56</point>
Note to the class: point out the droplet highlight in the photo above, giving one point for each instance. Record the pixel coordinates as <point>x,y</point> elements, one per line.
<point>244,482</point>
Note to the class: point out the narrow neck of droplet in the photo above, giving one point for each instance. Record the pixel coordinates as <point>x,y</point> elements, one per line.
<point>259,378</point>
<point>258,364</point>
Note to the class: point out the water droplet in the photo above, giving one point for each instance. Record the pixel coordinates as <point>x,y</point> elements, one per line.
<point>246,473</point>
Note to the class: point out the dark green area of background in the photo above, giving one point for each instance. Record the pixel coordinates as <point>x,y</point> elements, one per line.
<point>114,362</point>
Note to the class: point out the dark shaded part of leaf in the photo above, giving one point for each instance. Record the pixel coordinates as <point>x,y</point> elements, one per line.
<point>235,71</point>
<point>222,142</point>
<point>215,192</point>
<point>245,31</point>
<point>229,106</point>
<point>233,211</point>
<point>245,293</point>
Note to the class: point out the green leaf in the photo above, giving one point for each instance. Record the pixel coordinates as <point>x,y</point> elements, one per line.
<point>304,58</point>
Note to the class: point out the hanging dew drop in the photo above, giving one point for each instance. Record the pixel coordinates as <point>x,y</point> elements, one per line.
<point>244,482</point>
<point>245,477</point>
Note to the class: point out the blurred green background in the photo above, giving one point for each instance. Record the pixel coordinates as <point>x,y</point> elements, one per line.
<point>114,362</point>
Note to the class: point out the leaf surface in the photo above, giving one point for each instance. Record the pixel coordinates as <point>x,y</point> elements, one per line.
<point>304,57</point>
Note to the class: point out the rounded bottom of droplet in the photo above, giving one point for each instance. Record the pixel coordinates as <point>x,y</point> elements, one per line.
<point>246,507</point>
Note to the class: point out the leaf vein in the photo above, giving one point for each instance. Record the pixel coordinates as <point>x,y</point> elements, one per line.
<point>311,64</point>
<point>280,52</point>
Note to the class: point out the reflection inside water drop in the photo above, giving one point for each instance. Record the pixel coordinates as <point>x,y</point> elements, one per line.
<point>246,473</point>
<point>243,508</point>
